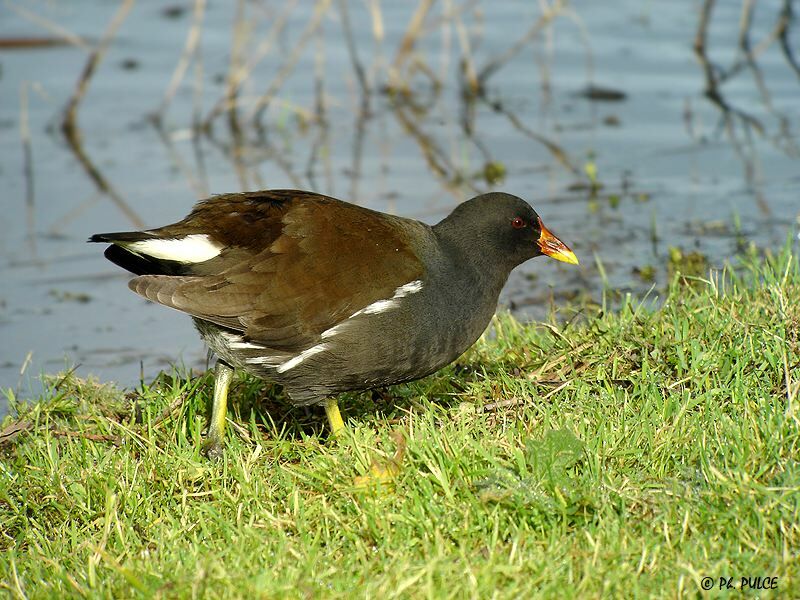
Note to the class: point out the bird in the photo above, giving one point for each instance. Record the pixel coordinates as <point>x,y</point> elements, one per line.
<point>323,296</point>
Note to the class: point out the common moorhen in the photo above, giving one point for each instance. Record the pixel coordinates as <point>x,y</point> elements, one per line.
<point>323,296</point>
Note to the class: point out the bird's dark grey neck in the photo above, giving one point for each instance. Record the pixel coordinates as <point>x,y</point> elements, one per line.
<point>476,259</point>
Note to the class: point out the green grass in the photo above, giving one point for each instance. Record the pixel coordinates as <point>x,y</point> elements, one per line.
<point>622,455</point>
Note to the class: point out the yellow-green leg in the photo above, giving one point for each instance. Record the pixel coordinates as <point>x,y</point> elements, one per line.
<point>223,373</point>
<point>334,416</point>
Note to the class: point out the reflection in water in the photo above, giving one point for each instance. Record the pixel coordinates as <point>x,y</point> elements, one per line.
<point>734,118</point>
<point>69,126</point>
<point>190,53</point>
<point>410,91</point>
<point>27,169</point>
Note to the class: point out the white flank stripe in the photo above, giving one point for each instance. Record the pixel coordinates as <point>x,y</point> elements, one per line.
<point>412,287</point>
<point>270,361</point>
<point>236,342</point>
<point>334,330</point>
<point>292,363</point>
<point>244,346</point>
<point>193,248</point>
<point>376,307</point>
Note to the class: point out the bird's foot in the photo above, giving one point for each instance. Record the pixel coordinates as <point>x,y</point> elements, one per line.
<point>384,472</point>
<point>213,448</point>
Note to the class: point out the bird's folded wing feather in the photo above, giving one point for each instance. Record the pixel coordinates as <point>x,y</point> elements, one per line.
<point>292,265</point>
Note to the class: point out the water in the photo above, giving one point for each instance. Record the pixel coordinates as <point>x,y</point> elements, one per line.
<point>672,173</point>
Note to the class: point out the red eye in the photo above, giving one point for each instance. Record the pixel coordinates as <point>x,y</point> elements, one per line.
<point>518,223</point>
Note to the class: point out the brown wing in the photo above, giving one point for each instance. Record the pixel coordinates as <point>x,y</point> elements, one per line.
<point>293,265</point>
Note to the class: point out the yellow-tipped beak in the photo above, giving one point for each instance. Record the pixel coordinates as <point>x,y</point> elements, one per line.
<point>553,247</point>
